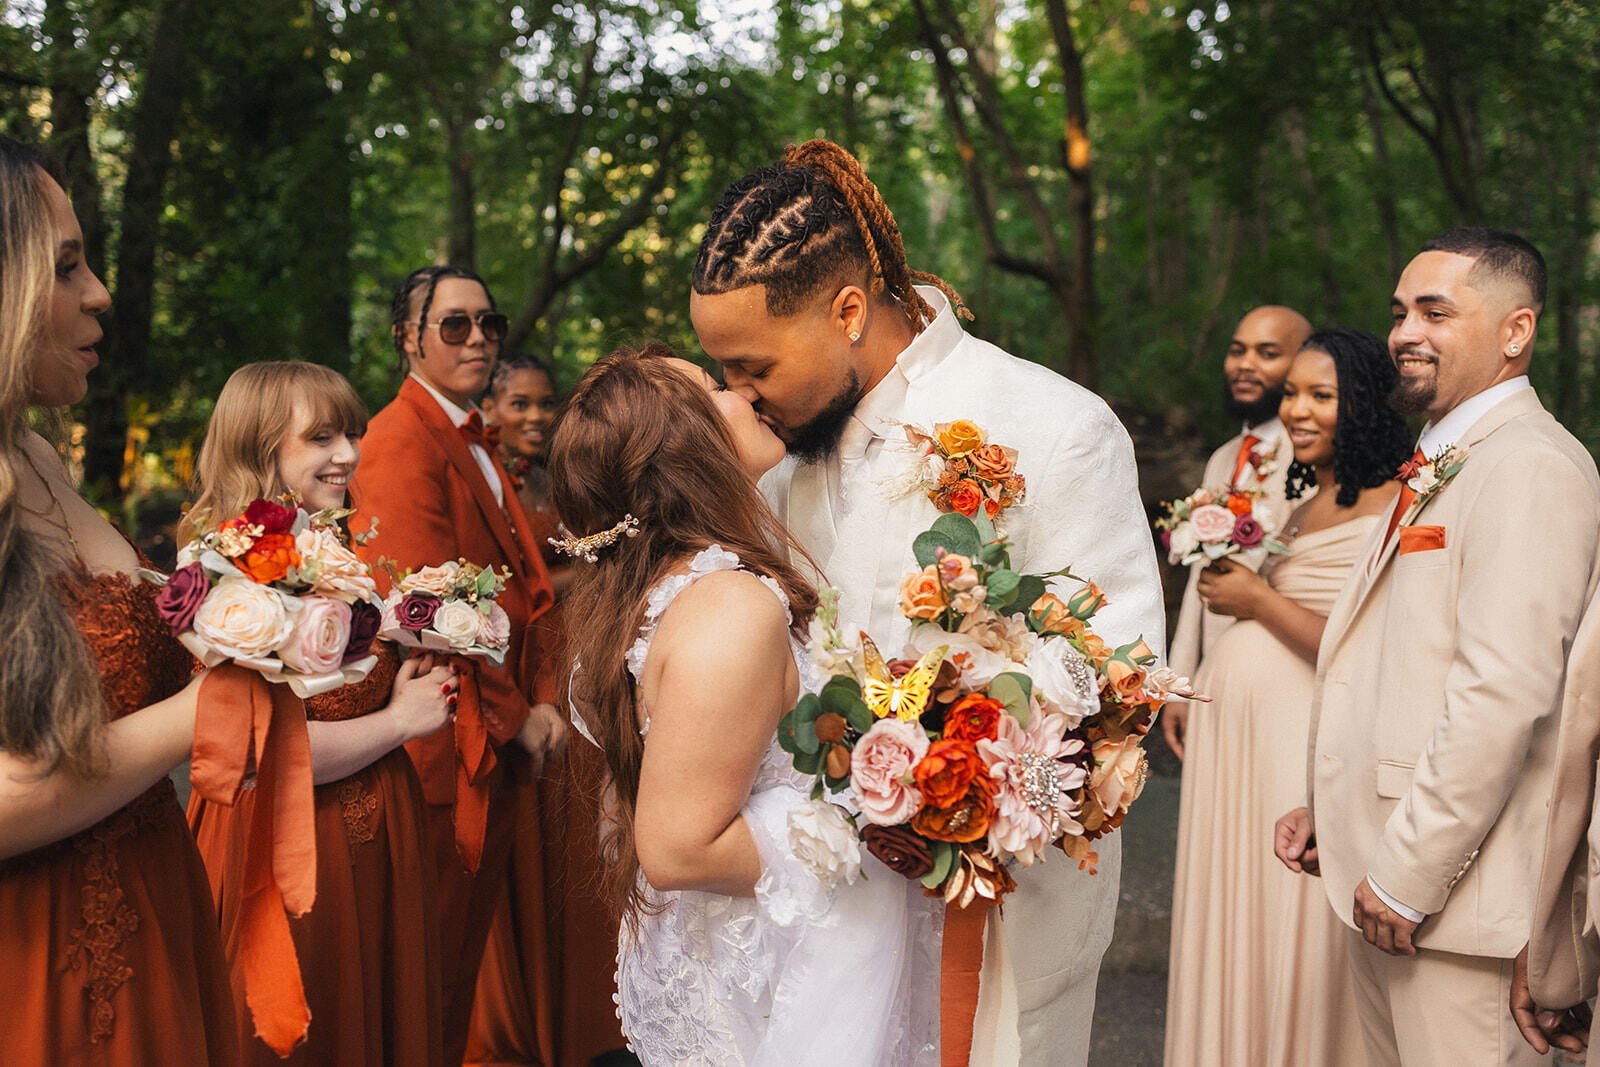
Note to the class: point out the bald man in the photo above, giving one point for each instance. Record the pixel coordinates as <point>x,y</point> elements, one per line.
<point>1257,458</point>
<point>1437,710</point>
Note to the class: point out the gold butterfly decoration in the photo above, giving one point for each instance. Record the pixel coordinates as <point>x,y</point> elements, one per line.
<point>905,697</point>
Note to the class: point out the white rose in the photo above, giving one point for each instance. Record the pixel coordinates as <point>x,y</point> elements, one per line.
<point>822,837</point>
<point>435,580</point>
<point>1183,543</point>
<point>242,619</point>
<point>1063,681</point>
<point>456,622</point>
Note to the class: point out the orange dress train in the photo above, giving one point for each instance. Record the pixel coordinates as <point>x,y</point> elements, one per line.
<point>108,939</point>
<point>545,988</point>
<point>369,947</point>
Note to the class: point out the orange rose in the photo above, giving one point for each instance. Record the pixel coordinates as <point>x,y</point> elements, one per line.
<point>991,508</point>
<point>1126,679</point>
<point>1240,504</point>
<point>269,558</point>
<point>921,595</point>
<point>947,771</point>
<point>1053,616</point>
<point>994,463</point>
<point>974,718</point>
<point>1095,648</point>
<point>959,437</point>
<point>967,819</point>
<point>966,497</point>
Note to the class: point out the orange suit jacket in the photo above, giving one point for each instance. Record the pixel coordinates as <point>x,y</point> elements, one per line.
<point>418,478</point>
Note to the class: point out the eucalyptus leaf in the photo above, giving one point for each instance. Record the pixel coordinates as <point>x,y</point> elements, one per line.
<point>1003,587</point>
<point>1013,690</point>
<point>944,859</point>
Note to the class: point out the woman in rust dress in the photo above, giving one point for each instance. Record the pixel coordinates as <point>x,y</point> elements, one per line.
<point>545,986</point>
<point>368,948</point>
<point>108,939</point>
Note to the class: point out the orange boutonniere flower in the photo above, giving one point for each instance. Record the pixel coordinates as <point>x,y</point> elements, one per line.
<point>959,437</point>
<point>994,463</point>
<point>270,558</point>
<point>966,497</point>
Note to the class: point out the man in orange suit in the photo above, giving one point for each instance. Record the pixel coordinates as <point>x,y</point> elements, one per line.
<point>430,478</point>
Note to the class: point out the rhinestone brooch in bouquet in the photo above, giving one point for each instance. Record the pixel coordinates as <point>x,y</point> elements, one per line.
<point>1208,525</point>
<point>451,608</point>
<point>276,590</point>
<point>1008,729</point>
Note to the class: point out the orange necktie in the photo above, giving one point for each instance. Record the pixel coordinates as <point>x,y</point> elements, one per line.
<point>1403,501</point>
<point>1246,447</point>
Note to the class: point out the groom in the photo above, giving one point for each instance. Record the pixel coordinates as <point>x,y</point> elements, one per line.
<point>803,295</point>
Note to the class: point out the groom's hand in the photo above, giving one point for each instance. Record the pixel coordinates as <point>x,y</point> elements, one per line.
<point>1544,1028</point>
<point>543,735</point>
<point>1383,927</point>
<point>1294,842</point>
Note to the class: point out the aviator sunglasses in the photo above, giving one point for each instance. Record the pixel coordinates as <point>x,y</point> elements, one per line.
<point>455,329</point>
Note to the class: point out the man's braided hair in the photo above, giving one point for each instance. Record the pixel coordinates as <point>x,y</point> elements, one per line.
<point>810,221</point>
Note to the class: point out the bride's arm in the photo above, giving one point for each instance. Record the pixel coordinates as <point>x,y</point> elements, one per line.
<point>717,682</point>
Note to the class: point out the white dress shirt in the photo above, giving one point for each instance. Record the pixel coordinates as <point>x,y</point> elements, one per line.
<point>458,416</point>
<point>1435,438</point>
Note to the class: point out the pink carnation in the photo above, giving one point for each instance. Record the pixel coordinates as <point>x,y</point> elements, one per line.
<point>880,771</point>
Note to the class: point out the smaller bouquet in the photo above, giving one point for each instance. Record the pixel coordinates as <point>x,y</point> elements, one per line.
<point>449,608</point>
<point>963,472</point>
<point>277,590</point>
<point>1210,525</point>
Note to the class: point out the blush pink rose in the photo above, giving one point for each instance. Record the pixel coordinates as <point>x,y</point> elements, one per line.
<point>1212,523</point>
<point>494,627</point>
<point>880,769</point>
<point>321,632</point>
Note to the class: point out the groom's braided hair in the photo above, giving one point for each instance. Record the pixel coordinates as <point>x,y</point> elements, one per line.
<point>810,220</point>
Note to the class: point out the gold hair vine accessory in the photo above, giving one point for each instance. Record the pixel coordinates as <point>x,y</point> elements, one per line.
<point>586,547</point>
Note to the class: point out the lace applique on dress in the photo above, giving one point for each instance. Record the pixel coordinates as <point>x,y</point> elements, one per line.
<point>359,807</point>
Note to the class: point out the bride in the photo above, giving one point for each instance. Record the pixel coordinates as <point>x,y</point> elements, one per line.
<point>734,949</point>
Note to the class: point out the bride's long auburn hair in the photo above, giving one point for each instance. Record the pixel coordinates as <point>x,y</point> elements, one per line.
<point>638,437</point>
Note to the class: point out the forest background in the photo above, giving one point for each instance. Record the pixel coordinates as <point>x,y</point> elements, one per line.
<point>1109,184</point>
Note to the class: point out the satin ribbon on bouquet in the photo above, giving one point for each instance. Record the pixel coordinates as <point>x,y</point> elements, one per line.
<point>241,713</point>
<point>475,759</point>
<point>960,965</point>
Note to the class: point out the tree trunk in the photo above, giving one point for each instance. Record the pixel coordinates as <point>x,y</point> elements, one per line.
<point>1383,181</point>
<point>1078,155</point>
<point>154,120</point>
<point>72,76</point>
<point>1294,129</point>
<point>463,248</point>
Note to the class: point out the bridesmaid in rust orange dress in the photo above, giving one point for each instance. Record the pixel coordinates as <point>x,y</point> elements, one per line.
<point>368,949</point>
<point>545,987</point>
<point>109,947</point>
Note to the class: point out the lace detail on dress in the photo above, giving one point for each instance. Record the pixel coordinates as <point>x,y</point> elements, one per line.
<point>360,810</point>
<point>108,920</point>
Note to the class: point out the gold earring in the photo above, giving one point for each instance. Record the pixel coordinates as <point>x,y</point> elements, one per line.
<point>855,335</point>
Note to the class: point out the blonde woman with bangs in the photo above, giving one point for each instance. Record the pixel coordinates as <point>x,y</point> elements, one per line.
<point>369,949</point>
<point>110,951</point>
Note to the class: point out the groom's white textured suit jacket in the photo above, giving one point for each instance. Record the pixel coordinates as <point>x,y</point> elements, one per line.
<point>1082,510</point>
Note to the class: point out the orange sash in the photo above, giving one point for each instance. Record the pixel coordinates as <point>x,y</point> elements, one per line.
<point>475,758</point>
<point>241,713</point>
<point>960,964</point>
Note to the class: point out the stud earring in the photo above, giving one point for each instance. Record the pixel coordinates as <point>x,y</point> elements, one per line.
<point>1515,349</point>
<point>855,335</point>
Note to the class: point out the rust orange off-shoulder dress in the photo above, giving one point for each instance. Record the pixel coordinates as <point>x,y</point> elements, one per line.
<point>108,940</point>
<point>369,949</point>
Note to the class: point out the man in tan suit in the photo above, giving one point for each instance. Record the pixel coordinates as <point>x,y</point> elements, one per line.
<point>1256,458</point>
<point>1556,974</point>
<point>1440,673</point>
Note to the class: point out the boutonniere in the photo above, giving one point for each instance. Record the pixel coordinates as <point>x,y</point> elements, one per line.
<point>1264,463</point>
<point>962,471</point>
<point>1427,477</point>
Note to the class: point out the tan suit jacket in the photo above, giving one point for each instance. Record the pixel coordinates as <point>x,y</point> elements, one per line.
<point>1198,626</point>
<point>1564,949</point>
<point>1439,683</point>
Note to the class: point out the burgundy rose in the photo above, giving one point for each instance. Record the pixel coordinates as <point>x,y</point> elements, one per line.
<point>182,596</point>
<point>272,518</point>
<point>364,621</point>
<point>899,849</point>
<point>1247,532</point>
<point>416,611</point>
<point>1166,540</point>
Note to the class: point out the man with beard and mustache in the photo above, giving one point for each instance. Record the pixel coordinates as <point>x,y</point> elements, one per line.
<point>1256,459</point>
<point>802,293</point>
<point>1437,725</point>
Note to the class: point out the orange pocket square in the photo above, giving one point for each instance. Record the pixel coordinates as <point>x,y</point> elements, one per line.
<point>1421,538</point>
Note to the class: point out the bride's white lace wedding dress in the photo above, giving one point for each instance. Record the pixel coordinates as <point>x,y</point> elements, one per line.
<point>799,974</point>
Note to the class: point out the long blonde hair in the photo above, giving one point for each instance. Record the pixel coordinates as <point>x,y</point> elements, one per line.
<point>255,412</point>
<point>50,704</point>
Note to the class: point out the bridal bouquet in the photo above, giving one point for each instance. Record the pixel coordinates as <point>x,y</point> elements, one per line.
<point>449,608</point>
<point>279,591</point>
<point>1210,525</point>
<point>1009,727</point>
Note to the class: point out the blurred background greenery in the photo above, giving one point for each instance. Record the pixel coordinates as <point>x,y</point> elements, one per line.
<point>1109,183</point>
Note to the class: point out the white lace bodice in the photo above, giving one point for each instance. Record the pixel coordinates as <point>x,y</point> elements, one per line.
<point>706,979</point>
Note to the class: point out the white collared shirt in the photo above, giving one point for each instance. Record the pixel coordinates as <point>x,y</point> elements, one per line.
<point>1436,437</point>
<point>458,416</point>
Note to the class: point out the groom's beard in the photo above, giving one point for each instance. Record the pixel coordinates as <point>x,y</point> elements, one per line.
<point>1255,412</point>
<point>816,439</point>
